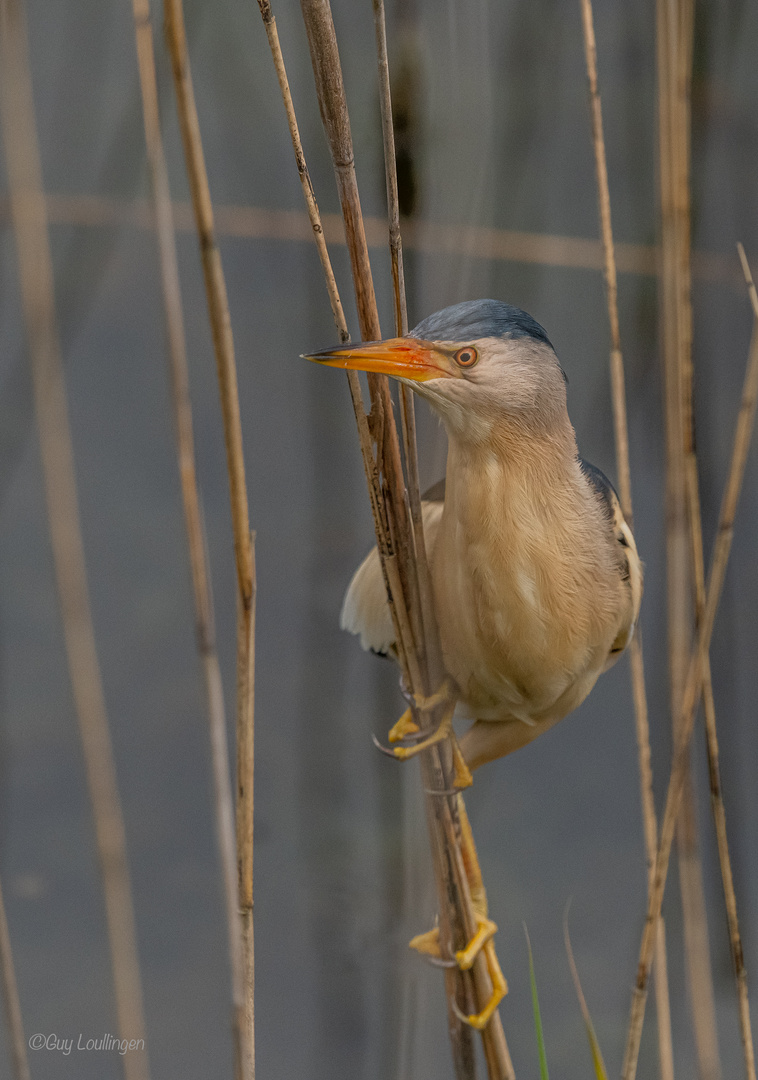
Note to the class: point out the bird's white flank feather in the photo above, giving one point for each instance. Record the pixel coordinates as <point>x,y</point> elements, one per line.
<point>365,610</point>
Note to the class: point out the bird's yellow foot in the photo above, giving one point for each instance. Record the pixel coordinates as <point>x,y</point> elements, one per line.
<point>499,990</point>
<point>485,931</point>
<point>445,695</point>
<point>404,727</point>
<point>462,777</point>
<point>429,945</point>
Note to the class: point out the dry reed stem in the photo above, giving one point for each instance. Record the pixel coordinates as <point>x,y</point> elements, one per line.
<point>198,554</point>
<point>314,215</point>
<point>223,343</point>
<point>11,1001</point>
<point>692,690</point>
<point>717,800</point>
<point>618,390</point>
<point>428,237</point>
<point>316,232</point>
<point>431,637</point>
<point>675,37</point>
<point>37,292</point>
<point>328,74</point>
<point>245,788</point>
<point>402,580</point>
<point>398,552</point>
<point>618,398</point>
<point>496,1052</point>
<point>462,1046</point>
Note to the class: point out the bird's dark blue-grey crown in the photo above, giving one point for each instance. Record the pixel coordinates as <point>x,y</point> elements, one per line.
<point>475,319</point>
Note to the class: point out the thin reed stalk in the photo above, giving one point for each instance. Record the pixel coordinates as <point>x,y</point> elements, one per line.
<point>314,215</point>
<point>675,36</point>
<point>198,554</point>
<point>37,292</point>
<point>427,237</point>
<point>11,1001</point>
<point>396,545</point>
<point>407,406</point>
<point>462,1042</point>
<point>621,432</point>
<point>692,692</point>
<point>245,772</point>
<point>496,1052</point>
<point>223,344</point>
<point>397,556</point>
<point>717,799</point>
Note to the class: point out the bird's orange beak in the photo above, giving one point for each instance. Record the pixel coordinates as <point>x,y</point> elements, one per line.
<point>403,357</point>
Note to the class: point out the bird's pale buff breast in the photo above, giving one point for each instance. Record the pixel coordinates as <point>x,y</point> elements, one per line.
<point>526,585</point>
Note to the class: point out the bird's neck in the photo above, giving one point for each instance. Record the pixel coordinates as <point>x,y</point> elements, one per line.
<point>522,492</point>
<point>517,459</point>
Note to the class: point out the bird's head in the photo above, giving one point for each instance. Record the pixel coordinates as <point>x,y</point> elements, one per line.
<point>480,364</point>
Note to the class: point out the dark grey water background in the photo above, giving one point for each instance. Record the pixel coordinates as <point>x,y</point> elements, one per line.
<point>501,139</point>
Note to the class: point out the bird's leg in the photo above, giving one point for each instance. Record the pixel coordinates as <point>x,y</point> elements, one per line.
<point>462,777</point>
<point>445,695</point>
<point>428,944</point>
<point>406,727</point>
<point>486,928</point>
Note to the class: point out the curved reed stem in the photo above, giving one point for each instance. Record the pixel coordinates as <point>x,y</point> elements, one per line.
<point>692,692</point>
<point>620,424</point>
<point>198,554</point>
<point>223,344</point>
<point>37,292</point>
<point>11,1001</point>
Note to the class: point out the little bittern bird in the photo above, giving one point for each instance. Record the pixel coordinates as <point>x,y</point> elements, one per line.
<point>537,582</point>
<point>536,578</point>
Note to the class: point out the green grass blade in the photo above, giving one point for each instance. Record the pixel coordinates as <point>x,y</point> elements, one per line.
<point>597,1056</point>
<point>536,1008</point>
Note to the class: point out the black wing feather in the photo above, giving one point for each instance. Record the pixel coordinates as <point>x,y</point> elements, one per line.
<point>602,486</point>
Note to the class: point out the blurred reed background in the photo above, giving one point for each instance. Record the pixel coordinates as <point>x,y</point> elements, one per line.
<point>496,172</point>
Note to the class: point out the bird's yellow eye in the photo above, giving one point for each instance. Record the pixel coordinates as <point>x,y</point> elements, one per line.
<point>466,357</point>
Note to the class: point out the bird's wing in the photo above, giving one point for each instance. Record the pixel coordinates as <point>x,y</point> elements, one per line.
<point>365,610</point>
<point>631,566</point>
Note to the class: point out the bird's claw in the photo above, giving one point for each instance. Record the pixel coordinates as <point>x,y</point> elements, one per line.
<point>414,739</point>
<point>428,945</point>
<point>406,726</point>
<point>405,690</point>
<point>462,777</point>
<point>384,749</point>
